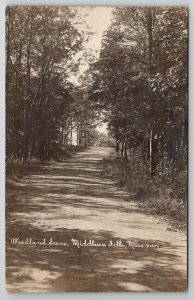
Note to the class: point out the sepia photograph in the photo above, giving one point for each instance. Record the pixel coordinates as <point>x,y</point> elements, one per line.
<point>96,148</point>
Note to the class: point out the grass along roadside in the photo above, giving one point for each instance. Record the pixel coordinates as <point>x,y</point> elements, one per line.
<point>16,170</point>
<point>161,196</point>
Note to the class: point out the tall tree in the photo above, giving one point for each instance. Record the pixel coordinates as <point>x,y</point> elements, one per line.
<point>41,42</point>
<point>140,80</point>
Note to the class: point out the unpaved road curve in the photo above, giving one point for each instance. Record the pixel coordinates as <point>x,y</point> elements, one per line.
<point>71,199</point>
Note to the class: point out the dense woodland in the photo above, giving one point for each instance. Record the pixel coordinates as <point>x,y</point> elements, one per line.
<point>140,80</point>
<point>43,108</point>
<point>137,85</point>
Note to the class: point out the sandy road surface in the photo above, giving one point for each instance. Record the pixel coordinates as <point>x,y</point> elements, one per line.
<point>71,200</point>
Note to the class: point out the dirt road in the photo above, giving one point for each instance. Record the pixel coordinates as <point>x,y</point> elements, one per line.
<point>71,200</point>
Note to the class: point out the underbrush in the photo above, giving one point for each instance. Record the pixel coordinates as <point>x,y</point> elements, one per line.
<point>17,169</point>
<point>164,195</point>
<point>59,153</point>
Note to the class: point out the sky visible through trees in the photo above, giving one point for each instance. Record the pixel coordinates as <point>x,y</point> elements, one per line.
<point>71,71</point>
<point>96,146</point>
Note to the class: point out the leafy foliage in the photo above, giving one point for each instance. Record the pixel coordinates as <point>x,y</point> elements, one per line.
<point>140,80</point>
<point>42,108</point>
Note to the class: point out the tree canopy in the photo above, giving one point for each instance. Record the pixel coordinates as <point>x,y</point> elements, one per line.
<point>42,106</point>
<point>140,80</point>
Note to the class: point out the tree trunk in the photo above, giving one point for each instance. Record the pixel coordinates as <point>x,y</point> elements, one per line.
<point>122,148</point>
<point>77,134</point>
<point>153,143</point>
<point>153,154</point>
<point>27,95</point>
<point>117,147</point>
<point>71,132</point>
<point>125,151</point>
<point>85,140</point>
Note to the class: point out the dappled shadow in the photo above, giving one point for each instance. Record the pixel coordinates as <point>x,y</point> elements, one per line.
<point>59,268</point>
<point>72,200</point>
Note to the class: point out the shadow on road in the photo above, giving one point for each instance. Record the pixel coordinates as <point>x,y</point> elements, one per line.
<point>72,200</point>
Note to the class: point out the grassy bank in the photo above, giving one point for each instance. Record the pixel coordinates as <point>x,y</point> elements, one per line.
<point>165,195</point>
<point>16,169</point>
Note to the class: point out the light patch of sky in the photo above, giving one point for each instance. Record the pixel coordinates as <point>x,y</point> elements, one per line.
<point>102,128</point>
<point>98,19</point>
